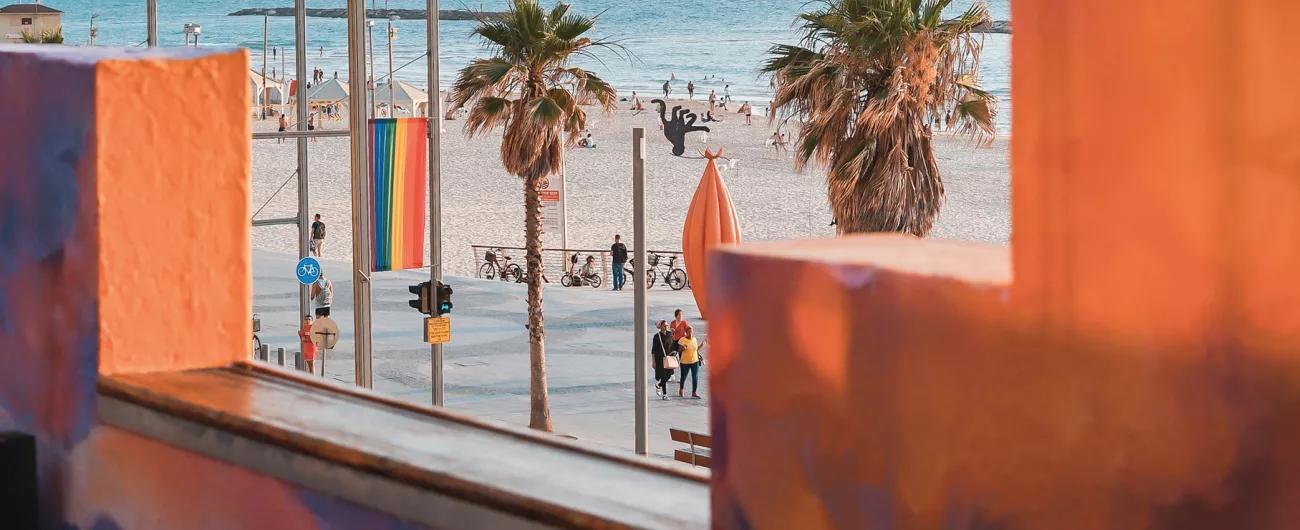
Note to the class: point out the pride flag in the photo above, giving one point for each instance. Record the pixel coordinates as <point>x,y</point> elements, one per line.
<point>397,189</point>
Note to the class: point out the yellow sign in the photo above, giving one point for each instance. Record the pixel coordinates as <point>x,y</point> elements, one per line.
<point>437,330</point>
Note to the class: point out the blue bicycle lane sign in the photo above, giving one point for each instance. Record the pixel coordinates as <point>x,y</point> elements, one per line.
<point>308,270</point>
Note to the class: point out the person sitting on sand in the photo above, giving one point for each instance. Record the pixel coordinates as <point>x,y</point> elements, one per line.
<point>708,117</point>
<point>587,142</point>
<point>636,104</point>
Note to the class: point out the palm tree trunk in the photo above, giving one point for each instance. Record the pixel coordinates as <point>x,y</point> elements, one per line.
<point>540,408</point>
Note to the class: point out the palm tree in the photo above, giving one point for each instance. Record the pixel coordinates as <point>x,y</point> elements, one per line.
<point>530,89</point>
<point>867,80</point>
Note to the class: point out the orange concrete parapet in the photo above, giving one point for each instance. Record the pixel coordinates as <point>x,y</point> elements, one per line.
<point>1139,371</point>
<point>173,170</point>
<point>131,167</point>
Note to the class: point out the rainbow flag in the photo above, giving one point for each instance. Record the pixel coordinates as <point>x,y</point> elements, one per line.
<point>398,184</point>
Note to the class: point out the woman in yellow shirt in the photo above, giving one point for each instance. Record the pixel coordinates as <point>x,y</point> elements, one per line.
<point>690,360</point>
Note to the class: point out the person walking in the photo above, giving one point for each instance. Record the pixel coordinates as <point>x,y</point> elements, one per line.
<point>726,94</point>
<point>284,124</point>
<point>713,99</point>
<point>322,293</point>
<point>678,326</point>
<point>689,352</point>
<point>308,346</point>
<point>690,90</point>
<point>666,88</point>
<point>619,252</point>
<point>317,236</point>
<point>664,352</point>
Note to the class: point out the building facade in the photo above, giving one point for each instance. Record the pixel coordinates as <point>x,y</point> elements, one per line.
<point>31,18</point>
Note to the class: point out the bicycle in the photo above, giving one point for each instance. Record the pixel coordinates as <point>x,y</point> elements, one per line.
<point>493,268</point>
<point>674,276</point>
<point>257,343</point>
<point>573,277</point>
<point>649,273</point>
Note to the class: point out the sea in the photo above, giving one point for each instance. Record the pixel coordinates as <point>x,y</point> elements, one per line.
<point>714,43</point>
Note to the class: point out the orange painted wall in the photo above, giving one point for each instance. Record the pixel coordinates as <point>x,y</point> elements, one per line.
<point>1137,371</point>
<point>173,185</point>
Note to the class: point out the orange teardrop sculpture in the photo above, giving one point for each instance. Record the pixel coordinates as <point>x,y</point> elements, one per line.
<point>710,222</point>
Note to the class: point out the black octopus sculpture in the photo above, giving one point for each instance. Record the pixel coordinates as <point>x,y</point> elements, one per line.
<point>675,129</point>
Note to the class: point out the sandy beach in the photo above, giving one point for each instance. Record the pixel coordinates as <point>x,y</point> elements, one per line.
<point>483,205</point>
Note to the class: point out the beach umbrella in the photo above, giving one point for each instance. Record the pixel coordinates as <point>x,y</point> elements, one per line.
<point>328,92</point>
<point>711,222</point>
<point>404,95</point>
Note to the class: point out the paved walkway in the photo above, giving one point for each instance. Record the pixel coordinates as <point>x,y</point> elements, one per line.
<point>589,349</point>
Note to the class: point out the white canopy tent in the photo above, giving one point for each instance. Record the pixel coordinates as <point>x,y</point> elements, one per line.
<point>330,91</point>
<point>405,96</point>
<point>274,92</point>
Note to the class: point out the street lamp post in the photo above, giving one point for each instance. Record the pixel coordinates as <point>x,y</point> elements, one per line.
<point>392,32</point>
<point>370,26</point>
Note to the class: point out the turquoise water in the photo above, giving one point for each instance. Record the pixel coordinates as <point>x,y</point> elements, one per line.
<point>723,40</point>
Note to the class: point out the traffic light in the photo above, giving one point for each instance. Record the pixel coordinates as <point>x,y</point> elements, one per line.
<point>444,298</point>
<point>424,297</point>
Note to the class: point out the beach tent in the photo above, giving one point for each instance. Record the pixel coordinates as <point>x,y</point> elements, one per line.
<point>330,91</point>
<point>405,96</point>
<point>274,90</point>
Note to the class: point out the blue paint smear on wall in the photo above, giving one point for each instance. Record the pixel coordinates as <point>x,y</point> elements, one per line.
<point>332,513</point>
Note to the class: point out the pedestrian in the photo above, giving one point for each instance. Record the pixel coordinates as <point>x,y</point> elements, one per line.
<point>666,87</point>
<point>311,124</point>
<point>317,236</point>
<point>749,113</point>
<point>678,326</point>
<point>664,352</point>
<point>619,252</point>
<point>689,352</point>
<point>308,346</point>
<point>690,90</point>
<point>726,94</point>
<point>322,293</point>
<point>713,99</point>
<point>322,51</point>
<point>284,124</point>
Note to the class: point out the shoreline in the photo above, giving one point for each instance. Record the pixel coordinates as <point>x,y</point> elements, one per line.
<point>484,205</point>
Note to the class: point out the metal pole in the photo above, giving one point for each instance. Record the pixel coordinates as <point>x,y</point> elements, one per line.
<point>360,190</point>
<point>151,8</point>
<point>304,194</point>
<point>638,279</point>
<point>391,95</point>
<point>261,98</point>
<point>435,182</point>
<point>370,27</point>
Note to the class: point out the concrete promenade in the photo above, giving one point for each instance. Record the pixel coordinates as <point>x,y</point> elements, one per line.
<point>589,349</point>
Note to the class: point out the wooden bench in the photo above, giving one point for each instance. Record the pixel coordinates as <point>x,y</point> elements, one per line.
<point>701,446</point>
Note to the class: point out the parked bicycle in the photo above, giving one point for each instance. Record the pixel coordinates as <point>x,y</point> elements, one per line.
<point>675,277</point>
<point>649,273</point>
<point>257,343</point>
<point>497,265</point>
<point>578,275</point>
